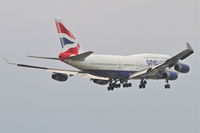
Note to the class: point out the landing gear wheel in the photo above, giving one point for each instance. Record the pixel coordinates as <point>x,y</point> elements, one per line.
<point>167,86</point>
<point>143,85</point>
<point>118,85</point>
<point>110,88</point>
<point>129,84</point>
<point>124,85</point>
<point>115,84</point>
<point>140,86</point>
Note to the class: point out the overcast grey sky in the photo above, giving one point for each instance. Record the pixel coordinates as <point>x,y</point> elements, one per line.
<point>30,101</point>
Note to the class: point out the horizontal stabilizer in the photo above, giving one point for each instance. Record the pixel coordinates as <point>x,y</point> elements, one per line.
<point>49,58</point>
<point>81,57</point>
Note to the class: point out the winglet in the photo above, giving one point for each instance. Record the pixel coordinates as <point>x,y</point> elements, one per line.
<point>189,46</point>
<point>8,62</point>
<point>187,52</point>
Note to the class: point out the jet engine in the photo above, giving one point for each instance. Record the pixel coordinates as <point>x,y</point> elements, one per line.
<point>170,75</point>
<point>182,68</point>
<point>59,77</point>
<point>100,82</point>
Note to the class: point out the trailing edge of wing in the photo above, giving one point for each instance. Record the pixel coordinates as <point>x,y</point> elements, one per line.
<point>87,75</point>
<point>139,73</point>
<point>69,72</point>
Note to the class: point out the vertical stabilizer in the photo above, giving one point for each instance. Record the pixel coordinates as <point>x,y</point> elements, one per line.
<point>68,41</point>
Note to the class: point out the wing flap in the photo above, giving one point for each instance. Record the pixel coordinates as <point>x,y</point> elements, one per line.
<point>69,72</point>
<point>90,76</point>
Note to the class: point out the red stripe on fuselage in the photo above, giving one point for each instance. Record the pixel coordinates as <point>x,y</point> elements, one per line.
<point>61,29</point>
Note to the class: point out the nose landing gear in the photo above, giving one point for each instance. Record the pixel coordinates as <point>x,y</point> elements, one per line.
<point>167,86</point>
<point>142,84</point>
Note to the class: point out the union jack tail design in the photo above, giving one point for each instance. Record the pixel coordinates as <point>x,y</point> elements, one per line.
<point>68,41</point>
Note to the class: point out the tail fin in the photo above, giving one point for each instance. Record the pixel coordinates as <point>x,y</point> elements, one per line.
<point>68,41</point>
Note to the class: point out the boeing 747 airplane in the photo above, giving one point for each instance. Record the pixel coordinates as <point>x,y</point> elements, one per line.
<point>114,70</point>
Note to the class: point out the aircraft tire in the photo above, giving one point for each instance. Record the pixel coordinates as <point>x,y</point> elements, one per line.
<point>167,86</point>
<point>140,86</point>
<point>143,85</point>
<point>129,84</point>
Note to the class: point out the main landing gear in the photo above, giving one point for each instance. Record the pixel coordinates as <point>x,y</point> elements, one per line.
<point>142,84</point>
<point>114,84</point>
<point>167,86</point>
<point>118,83</point>
<point>127,85</point>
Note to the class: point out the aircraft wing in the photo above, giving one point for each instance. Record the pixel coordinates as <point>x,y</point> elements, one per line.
<point>69,72</point>
<point>54,70</point>
<point>167,64</point>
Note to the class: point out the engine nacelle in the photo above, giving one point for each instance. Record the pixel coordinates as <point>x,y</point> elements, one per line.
<point>182,68</point>
<point>100,82</point>
<point>170,75</point>
<point>59,77</point>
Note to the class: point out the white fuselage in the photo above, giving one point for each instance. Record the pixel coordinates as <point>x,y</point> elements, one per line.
<point>117,66</point>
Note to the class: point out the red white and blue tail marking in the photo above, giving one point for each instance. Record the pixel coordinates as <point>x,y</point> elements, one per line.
<point>68,41</point>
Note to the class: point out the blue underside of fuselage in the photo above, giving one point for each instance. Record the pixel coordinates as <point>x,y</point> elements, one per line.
<point>118,74</point>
